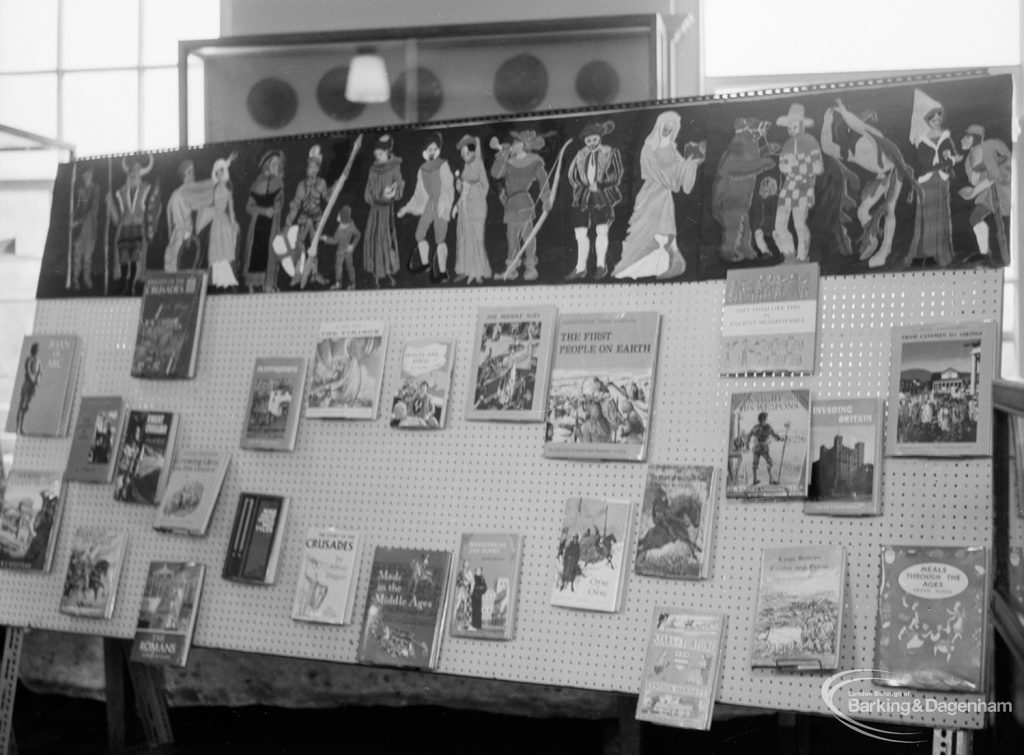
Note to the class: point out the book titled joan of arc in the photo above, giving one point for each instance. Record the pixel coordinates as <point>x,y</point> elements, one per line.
<point>274,404</point>
<point>30,514</point>
<point>328,575</point>
<point>769,436</point>
<point>170,320</point>
<point>44,386</point>
<point>602,386</point>
<point>846,457</point>
<point>676,521</point>
<point>347,370</point>
<point>168,612</point>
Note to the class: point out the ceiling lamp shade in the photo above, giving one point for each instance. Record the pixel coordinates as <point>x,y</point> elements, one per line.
<point>367,79</point>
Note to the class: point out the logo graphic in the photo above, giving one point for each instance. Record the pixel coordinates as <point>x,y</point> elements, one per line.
<point>895,701</point>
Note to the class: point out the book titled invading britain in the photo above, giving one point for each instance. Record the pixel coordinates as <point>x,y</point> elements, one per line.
<point>44,386</point>
<point>347,369</point>
<point>602,386</point>
<point>588,566</point>
<point>254,547</point>
<point>846,457</point>
<point>676,520</point>
<point>30,512</point>
<point>94,570</point>
<point>484,603</point>
<point>328,576</point>
<point>145,457</point>
<point>424,393</point>
<point>769,437</point>
<point>274,404</point>
<point>170,319</point>
<point>192,490</point>
<point>94,442</point>
<point>168,612</point>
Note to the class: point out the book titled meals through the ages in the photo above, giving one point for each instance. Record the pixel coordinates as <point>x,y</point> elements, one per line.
<point>275,403</point>
<point>170,320</point>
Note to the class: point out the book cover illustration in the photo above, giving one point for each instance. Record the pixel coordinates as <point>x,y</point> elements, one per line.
<point>145,458</point>
<point>404,607</point>
<point>94,570</point>
<point>680,672</point>
<point>347,370</point>
<point>167,615</point>
<point>676,520</point>
<point>486,586</point>
<point>932,608</point>
<point>44,386</point>
<point>846,457</point>
<point>255,543</point>
<point>170,320</point>
<point>602,386</point>
<point>799,614</point>
<point>940,390</point>
<point>328,576</point>
<point>769,438</point>
<point>511,363</point>
<point>422,399</point>
<point>275,395</point>
<point>32,504</point>
<point>588,565</point>
<point>94,443</point>
<point>193,487</point>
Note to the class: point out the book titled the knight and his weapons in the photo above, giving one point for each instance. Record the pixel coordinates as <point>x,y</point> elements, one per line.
<point>940,389</point>
<point>347,369</point>
<point>328,576</point>
<point>799,618</point>
<point>405,606</point>
<point>846,457</point>
<point>144,461</point>
<point>95,440</point>
<point>274,403</point>
<point>588,566</point>
<point>170,320</point>
<point>602,386</point>
<point>94,571</point>
<point>424,391</point>
<point>44,386</point>
<point>168,612</point>
<point>681,668</point>
<point>254,548</point>
<point>30,512</point>
<point>508,379</point>
<point>676,521</point>
<point>486,591</point>
<point>191,493</point>
<point>932,618</point>
<point>769,437</point>
<point>770,320</point>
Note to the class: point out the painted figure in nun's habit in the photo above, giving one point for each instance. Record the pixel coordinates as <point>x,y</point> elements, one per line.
<point>595,175</point>
<point>520,167</point>
<point>264,206</point>
<point>134,209</point>
<point>800,163</point>
<point>936,158</point>
<point>83,230</point>
<point>988,167</point>
<point>432,202</point>
<point>384,186</point>
<point>471,263</point>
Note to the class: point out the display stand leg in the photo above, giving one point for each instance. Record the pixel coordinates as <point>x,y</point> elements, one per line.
<point>148,685</point>
<point>14,637</point>
<point>951,742</point>
<point>113,671</point>
<point>629,727</point>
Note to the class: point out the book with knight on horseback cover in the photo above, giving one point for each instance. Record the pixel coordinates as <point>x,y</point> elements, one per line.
<point>769,439</point>
<point>94,571</point>
<point>274,403</point>
<point>589,566</point>
<point>676,520</point>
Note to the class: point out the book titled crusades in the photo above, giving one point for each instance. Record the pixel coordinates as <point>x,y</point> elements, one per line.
<point>328,575</point>
<point>171,315</point>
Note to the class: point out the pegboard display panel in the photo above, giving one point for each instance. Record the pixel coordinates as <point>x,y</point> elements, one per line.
<point>425,488</point>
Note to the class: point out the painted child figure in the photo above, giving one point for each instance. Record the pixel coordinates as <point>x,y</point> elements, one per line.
<point>345,237</point>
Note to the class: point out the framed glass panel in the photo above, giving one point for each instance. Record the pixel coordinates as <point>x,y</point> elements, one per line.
<point>39,89</point>
<point>159,108</point>
<point>23,46</point>
<point>88,94</point>
<point>100,34</point>
<point>164,23</point>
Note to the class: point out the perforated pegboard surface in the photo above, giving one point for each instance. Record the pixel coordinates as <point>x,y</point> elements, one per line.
<point>409,488</point>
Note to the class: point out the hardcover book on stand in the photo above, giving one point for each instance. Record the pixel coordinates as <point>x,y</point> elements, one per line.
<point>275,400</point>
<point>348,367</point>
<point>588,566</point>
<point>255,545</point>
<point>193,487</point>
<point>30,512</point>
<point>676,521</point>
<point>769,437</point>
<point>94,571</point>
<point>170,319</point>
<point>486,593</point>
<point>328,576</point>
<point>167,615</point>
<point>144,461</point>
<point>94,443</point>
<point>424,392</point>
<point>846,457</point>
<point>44,386</point>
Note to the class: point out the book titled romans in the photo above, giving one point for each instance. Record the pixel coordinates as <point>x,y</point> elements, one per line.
<point>167,615</point>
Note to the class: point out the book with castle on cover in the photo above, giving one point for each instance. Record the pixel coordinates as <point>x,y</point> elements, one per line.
<point>44,386</point>
<point>192,490</point>
<point>30,512</point>
<point>588,568</point>
<point>681,667</point>
<point>274,404</point>
<point>933,618</point>
<point>424,392</point>
<point>328,576</point>
<point>486,595</point>
<point>144,461</point>
<point>676,520</point>
<point>846,457</point>
<point>405,606</point>
<point>170,319</point>
<point>508,379</point>
<point>94,442</point>
<point>769,438</point>
<point>940,389</point>
<point>602,386</point>
<point>94,571</point>
<point>799,616</point>
<point>168,612</point>
<point>254,547</point>
<point>348,367</point>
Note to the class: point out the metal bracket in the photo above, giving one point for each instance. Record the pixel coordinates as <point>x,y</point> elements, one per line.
<point>951,742</point>
<point>14,638</point>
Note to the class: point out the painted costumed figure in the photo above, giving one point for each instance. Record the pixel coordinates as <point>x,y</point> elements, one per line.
<point>304,212</point>
<point>220,216</point>
<point>432,202</point>
<point>384,186</point>
<point>520,167</point>
<point>471,263</point>
<point>264,206</point>
<point>134,209</point>
<point>739,172</point>
<point>988,166</point>
<point>83,230</point>
<point>595,175</point>
<point>800,163</point>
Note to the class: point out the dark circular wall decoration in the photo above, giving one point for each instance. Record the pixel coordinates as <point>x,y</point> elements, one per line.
<point>272,102</point>
<point>330,95</point>
<point>521,83</point>
<point>429,94</point>
<point>597,83</point>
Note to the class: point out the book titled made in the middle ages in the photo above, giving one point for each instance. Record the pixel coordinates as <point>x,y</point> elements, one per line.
<point>274,404</point>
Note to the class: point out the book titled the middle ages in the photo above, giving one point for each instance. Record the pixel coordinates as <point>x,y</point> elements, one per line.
<point>274,403</point>
<point>94,442</point>
<point>254,547</point>
<point>145,458</point>
<point>846,457</point>
<point>676,520</point>
<point>769,438</point>
<point>588,568</point>
<point>168,612</point>
<point>170,319</point>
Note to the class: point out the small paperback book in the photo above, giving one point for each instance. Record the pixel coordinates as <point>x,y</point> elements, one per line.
<point>254,548</point>
<point>932,618</point>
<point>94,570</point>
<point>681,668</point>
<point>94,444</point>
<point>32,504</point>
<point>770,320</point>
<point>424,393</point>
<point>799,616</point>
<point>44,386</point>
<point>602,386</point>
<point>275,398</point>
<point>145,458</point>
<point>511,363</point>
<point>846,457</point>
<point>588,566</point>
<point>676,521</point>
<point>769,440</point>
<point>486,586</point>
<point>167,615</point>
<point>170,319</point>
<point>347,369</point>
<point>192,491</point>
<point>328,576</point>
<point>405,606</point>
<point>940,389</point>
